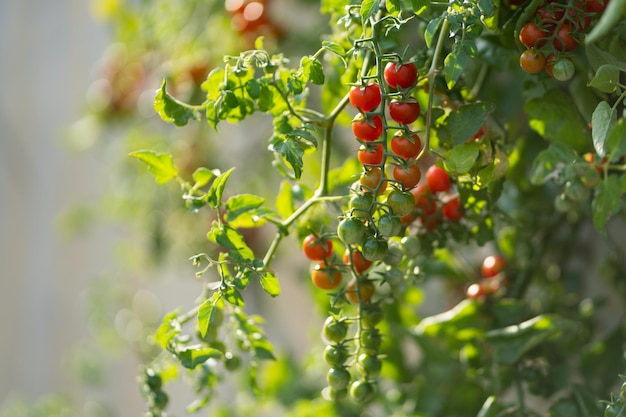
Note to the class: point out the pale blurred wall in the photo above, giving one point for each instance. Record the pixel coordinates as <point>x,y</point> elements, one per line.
<point>47,52</point>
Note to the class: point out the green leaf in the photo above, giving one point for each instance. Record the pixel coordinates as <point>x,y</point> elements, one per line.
<point>457,323</point>
<point>606,79</point>
<point>214,196</point>
<point>368,8</point>
<point>242,203</point>
<point>206,314</point>
<point>555,117</point>
<point>420,6</point>
<point>344,175</point>
<point>263,349</point>
<point>290,151</point>
<point>202,176</point>
<point>606,202</point>
<point>312,70</point>
<point>333,6</point>
<point>512,342</point>
<point>168,329</point>
<point>270,284</point>
<point>303,133</point>
<point>549,163</point>
<point>233,296</point>
<point>615,144</point>
<point>431,30</point>
<point>602,120</point>
<point>612,16</point>
<point>597,57</point>
<point>172,110</point>
<point>231,239</point>
<point>192,356</point>
<point>284,199</point>
<point>334,47</point>
<point>160,164</point>
<point>462,157</point>
<point>463,123</point>
<point>486,6</point>
<point>393,7</point>
<point>454,64</point>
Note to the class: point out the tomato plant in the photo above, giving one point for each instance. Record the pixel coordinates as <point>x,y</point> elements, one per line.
<point>424,88</point>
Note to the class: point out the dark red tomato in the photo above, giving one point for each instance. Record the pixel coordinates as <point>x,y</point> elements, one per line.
<point>424,199</point>
<point>365,98</point>
<point>407,176</point>
<point>550,60</point>
<point>367,130</point>
<point>530,35</point>
<point>492,266</point>
<point>404,112</point>
<point>595,6</point>
<point>550,14</point>
<point>405,147</point>
<point>437,179</point>
<point>371,153</point>
<point>400,76</point>
<point>532,61</point>
<point>358,262</point>
<point>316,248</point>
<point>453,210</point>
<point>563,40</point>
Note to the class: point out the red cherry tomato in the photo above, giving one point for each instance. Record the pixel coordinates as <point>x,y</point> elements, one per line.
<point>532,61</point>
<point>530,35</point>
<point>492,266</point>
<point>404,112</point>
<point>453,210</point>
<point>564,41</point>
<point>405,147</point>
<point>437,179</point>
<point>317,249</point>
<point>367,130</point>
<point>365,98</point>
<point>400,76</point>
<point>371,153</point>
<point>359,263</point>
<point>407,176</point>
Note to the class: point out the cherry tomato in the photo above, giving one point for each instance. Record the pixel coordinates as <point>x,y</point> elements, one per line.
<point>370,340</point>
<point>361,205</point>
<point>563,40</point>
<point>437,179</point>
<point>368,365</point>
<point>362,392</point>
<point>404,146</point>
<point>530,35</point>
<point>231,361</point>
<point>389,225</point>
<point>563,69</point>
<point>492,266</point>
<point>596,6</point>
<point>424,199</point>
<point>394,254</point>
<point>374,249</point>
<point>326,277</point>
<point>351,231</point>
<point>335,355</point>
<point>366,291</point>
<point>549,13</point>
<point>407,176</point>
<point>453,210</point>
<point>334,331</point>
<point>400,76</point>
<point>372,180</point>
<point>338,378</point>
<point>367,130</point>
<point>371,153</point>
<point>317,249</point>
<point>474,291</point>
<point>371,315</point>
<point>401,203</point>
<point>358,262</point>
<point>404,112</point>
<point>365,98</point>
<point>532,61</point>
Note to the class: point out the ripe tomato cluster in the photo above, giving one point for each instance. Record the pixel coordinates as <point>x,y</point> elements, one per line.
<point>492,278</point>
<point>555,31</point>
<point>250,18</point>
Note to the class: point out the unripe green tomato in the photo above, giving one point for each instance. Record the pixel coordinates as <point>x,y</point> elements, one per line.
<point>576,191</point>
<point>351,231</point>
<point>231,361</point>
<point>410,246</point>
<point>335,395</point>
<point>338,378</point>
<point>362,392</point>
<point>401,203</point>
<point>563,69</point>
<point>361,205</point>
<point>369,365</point>
<point>612,410</point>
<point>160,399</point>
<point>394,255</point>
<point>374,249</point>
<point>394,276</point>
<point>335,355</point>
<point>153,380</point>
<point>371,315</point>
<point>370,340</point>
<point>334,330</point>
<point>389,225</point>
<point>562,204</point>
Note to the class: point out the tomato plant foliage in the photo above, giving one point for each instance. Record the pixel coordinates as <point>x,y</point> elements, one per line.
<point>517,162</point>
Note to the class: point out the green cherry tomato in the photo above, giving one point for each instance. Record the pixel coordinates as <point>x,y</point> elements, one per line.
<point>334,330</point>
<point>374,249</point>
<point>231,361</point>
<point>368,365</point>
<point>362,392</point>
<point>370,340</point>
<point>563,69</point>
<point>394,255</point>
<point>401,203</point>
<point>160,399</point>
<point>389,225</point>
<point>333,394</point>
<point>335,355</point>
<point>351,231</point>
<point>371,315</point>
<point>361,205</point>
<point>576,191</point>
<point>338,378</point>
<point>410,246</point>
